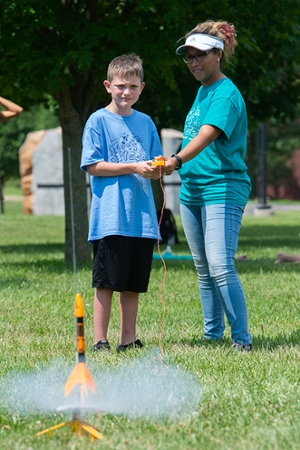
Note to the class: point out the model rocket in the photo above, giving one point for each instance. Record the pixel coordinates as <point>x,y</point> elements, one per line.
<point>80,376</point>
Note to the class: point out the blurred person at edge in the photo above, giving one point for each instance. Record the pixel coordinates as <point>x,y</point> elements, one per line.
<point>11,110</point>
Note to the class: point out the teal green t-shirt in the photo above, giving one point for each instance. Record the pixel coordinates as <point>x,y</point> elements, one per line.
<point>218,174</point>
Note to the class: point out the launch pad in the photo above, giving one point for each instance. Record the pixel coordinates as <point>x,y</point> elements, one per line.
<point>77,425</point>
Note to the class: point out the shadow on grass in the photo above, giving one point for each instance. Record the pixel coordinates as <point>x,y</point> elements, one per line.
<point>266,265</point>
<point>272,236</point>
<point>41,258</point>
<point>31,249</point>
<point>291,339</point>
<point>255,266</point>
<point>177,265</point>
<point>263,342</point>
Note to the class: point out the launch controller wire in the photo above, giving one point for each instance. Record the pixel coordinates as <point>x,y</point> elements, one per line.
<point>162,320</point>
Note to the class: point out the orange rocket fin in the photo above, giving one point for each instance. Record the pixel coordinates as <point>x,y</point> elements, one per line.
<point>80,376</point>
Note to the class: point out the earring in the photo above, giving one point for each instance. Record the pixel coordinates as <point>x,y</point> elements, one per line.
<point>218,59</point>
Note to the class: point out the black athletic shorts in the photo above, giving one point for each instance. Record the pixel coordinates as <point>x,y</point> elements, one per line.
<point>122,263</point>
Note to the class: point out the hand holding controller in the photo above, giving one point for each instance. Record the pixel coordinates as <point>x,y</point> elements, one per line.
<point>158,161</point>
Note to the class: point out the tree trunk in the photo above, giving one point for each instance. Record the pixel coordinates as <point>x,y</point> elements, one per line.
<point>75,186</point>
<point>76,219</point>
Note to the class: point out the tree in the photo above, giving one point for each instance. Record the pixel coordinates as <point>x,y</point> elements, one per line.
<point>283,140</point>
<point>62,48</point>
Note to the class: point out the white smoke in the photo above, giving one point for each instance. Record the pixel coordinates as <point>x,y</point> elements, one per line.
<point>145,387</point>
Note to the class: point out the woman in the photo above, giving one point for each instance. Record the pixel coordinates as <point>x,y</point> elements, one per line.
<point>215,185</point>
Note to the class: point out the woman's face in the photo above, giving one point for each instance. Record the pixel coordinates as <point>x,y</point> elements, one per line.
<point>205,67</point>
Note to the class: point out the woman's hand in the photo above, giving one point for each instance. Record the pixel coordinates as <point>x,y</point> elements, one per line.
<point>170,165</point>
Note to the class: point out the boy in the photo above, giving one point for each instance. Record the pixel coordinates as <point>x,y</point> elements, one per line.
<point>118,146</point>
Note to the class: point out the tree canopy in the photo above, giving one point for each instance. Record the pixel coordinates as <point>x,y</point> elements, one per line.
<point>62,48</point>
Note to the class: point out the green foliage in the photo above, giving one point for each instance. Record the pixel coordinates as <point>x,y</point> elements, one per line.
<point>47,45</point>
<point>268,68</point>
<point>250,401</point>
<point>282,140</point>
<point>13,134</point>
<point>62,49</point>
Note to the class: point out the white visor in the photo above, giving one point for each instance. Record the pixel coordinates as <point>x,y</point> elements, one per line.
<point>202,42</point>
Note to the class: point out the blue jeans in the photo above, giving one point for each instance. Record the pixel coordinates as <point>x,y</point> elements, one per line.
<point>212,233</point>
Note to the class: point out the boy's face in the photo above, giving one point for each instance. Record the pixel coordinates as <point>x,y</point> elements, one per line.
<point>124,92</point>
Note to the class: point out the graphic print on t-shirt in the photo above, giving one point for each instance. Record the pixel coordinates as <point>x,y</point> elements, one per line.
<point>192,124</point>
<point>127,148</point>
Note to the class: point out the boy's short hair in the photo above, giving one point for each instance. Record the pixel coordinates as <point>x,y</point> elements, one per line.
<point>125,65</point>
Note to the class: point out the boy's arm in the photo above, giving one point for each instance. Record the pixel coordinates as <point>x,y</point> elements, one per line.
<point>108,169</point>
<point>12,109</point>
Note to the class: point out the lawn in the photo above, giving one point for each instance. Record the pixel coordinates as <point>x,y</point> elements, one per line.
<point>249,401</point>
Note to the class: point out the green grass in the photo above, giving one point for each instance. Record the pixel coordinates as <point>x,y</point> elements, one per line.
<point>250,401</point>
<point>12,187</point>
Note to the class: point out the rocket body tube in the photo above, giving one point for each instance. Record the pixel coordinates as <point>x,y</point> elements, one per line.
<point>80,375</point>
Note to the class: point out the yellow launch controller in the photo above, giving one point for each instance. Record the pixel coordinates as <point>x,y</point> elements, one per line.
<point>158,162</point>
<point>81,379</point>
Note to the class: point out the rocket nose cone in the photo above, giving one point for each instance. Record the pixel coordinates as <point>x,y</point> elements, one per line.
<point>79,311</point>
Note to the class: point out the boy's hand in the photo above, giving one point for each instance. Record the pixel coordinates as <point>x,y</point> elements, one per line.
<point>145,170</point>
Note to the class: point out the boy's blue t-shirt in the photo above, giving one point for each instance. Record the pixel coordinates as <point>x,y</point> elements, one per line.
<point>121,205</point>
<point>218,174</point>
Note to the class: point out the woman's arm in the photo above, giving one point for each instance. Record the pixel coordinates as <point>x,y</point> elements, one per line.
<point>207,134</point>
<point>108,169</point>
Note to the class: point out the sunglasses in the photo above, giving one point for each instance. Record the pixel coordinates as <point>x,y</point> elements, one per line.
<point>188,59</point>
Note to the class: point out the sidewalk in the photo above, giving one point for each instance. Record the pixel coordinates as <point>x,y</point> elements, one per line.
<point>13,198</point>
<point>274,207</point>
